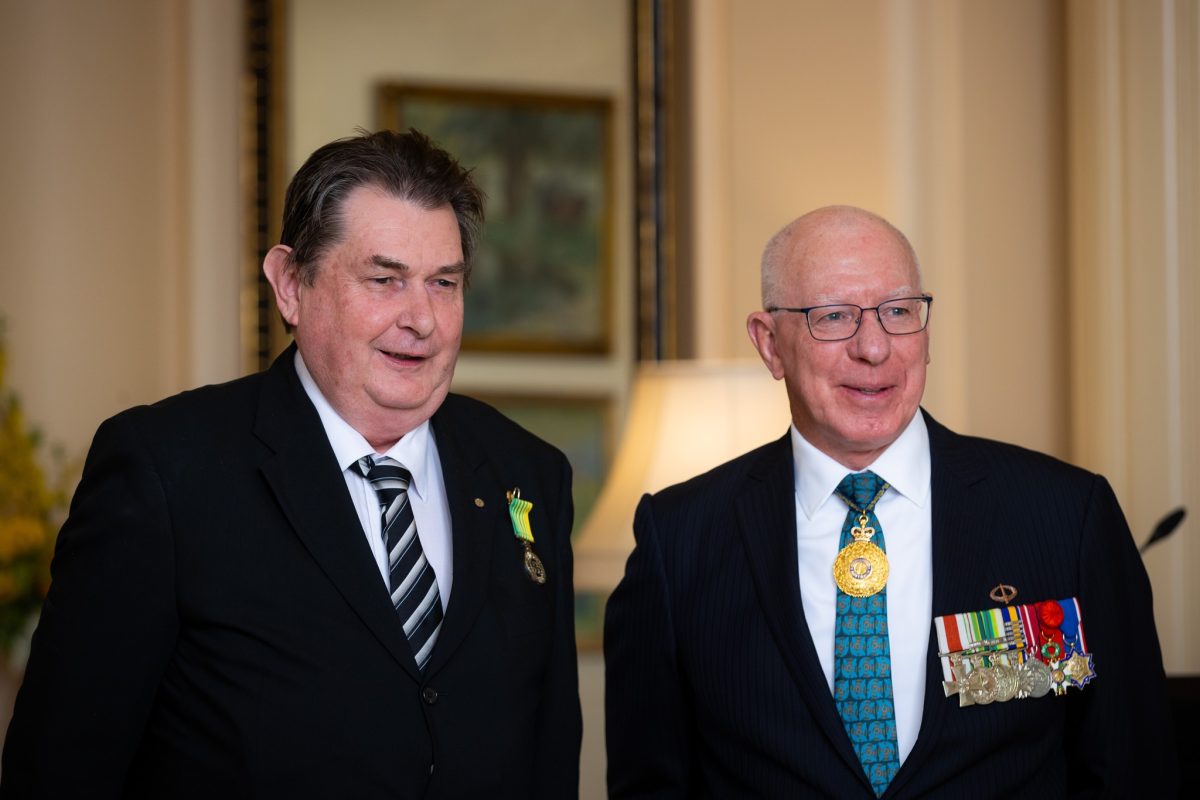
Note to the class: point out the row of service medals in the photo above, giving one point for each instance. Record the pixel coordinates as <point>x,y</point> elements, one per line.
<point>1014,652</point>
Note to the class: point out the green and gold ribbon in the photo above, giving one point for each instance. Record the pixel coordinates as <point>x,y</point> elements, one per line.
<point>518,512</point>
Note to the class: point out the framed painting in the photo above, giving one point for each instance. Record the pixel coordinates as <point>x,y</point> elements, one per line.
<point>541,281</point>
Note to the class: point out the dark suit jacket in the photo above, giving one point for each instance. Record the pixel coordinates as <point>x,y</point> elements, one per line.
<point>217,626</point>
<point>713,684</point>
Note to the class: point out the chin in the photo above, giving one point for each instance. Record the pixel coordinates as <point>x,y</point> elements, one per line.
<point>877,437</point>
<point>411,398</point>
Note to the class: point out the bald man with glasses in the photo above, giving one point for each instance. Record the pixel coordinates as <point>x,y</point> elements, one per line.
<point>873,605</point>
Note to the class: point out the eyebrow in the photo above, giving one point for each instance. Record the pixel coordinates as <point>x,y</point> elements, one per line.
<point>387,262</point>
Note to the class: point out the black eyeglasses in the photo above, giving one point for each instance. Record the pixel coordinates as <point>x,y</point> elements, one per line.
<point>832,323</point>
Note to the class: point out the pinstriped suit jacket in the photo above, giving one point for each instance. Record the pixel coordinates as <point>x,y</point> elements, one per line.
<point>714,688</point>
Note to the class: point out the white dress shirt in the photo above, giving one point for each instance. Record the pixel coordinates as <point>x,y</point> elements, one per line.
<point>417,452</point>
<point>905,519</point>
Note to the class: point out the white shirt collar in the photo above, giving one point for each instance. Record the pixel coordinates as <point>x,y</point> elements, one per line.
<point>415,450</point>
<point>904,465</point>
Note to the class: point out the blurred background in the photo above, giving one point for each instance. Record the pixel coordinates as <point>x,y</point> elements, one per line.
<point>1042,155</point>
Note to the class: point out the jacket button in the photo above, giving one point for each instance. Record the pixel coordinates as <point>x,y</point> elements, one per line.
<point>429,695</point>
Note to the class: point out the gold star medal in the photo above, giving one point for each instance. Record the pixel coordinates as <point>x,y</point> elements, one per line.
<point>1079,670</point>
<point>518,512</point>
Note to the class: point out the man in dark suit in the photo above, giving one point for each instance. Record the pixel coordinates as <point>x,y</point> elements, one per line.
<point>307,582</point>
<point>753,650</point>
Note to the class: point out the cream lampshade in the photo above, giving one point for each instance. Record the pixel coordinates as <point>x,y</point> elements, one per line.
<point>685,417</point>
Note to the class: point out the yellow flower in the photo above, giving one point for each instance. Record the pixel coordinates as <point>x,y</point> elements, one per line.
<point>30,510</point>
<point>20,536</point>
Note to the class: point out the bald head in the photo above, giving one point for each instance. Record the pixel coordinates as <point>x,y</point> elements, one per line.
<point>793,246</point>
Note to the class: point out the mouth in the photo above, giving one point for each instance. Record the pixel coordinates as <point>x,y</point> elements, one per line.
<point>396,357</point>
<point>869,391</point>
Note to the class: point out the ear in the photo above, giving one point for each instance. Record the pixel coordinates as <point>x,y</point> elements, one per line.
<point>284,278</point>
<point>761,327</point>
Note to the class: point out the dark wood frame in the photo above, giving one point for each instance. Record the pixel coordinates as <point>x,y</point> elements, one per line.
<point>263,181</point>
<point>665,317</point>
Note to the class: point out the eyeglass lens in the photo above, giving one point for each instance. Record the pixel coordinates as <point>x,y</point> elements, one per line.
<point>898,317</point>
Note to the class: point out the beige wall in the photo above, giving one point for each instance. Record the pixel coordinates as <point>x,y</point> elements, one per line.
<point>120,204</point>
<point>1135,275</point>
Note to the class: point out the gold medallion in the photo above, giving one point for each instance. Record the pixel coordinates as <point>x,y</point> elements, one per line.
<point>533,565</point>
<point>861,569</point>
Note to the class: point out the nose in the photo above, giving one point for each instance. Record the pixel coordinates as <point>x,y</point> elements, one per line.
<point>415,312</point>
<point>871,343</point>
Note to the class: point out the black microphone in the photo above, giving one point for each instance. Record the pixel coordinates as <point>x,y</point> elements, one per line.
<point>1165,527</point>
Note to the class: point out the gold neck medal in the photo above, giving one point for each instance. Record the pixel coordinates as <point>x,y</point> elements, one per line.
<point>861,568</point>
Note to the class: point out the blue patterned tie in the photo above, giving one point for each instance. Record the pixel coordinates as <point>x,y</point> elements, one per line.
<point>862,663</point>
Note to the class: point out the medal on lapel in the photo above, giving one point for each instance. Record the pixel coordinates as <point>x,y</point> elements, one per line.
<point>518,512</point>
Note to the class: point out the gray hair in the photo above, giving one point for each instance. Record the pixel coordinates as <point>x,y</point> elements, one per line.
<point>408,166</point>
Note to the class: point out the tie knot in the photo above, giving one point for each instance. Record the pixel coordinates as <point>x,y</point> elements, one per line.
<point>383,470</point>
<point>861,489</point>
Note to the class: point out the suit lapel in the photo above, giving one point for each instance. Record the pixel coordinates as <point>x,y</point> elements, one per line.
<point>304,476</point>
<point>960,558</point>
<point>766,514</point>
<point>467,480</point>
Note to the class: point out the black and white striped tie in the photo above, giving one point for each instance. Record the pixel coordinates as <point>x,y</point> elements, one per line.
<point>411,578</point>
